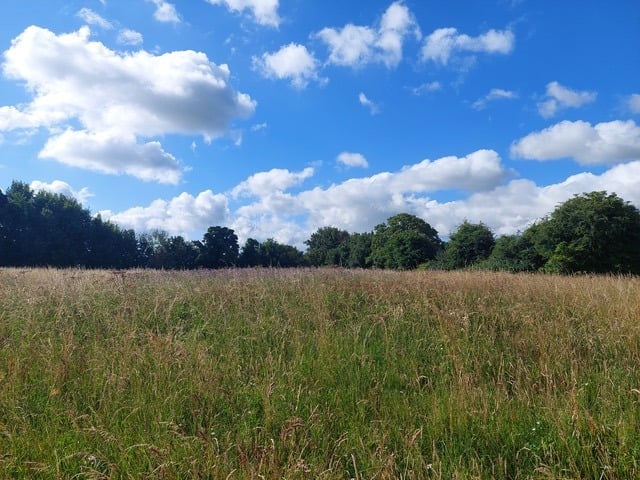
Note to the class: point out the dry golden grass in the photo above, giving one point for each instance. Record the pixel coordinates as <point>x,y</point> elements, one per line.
<point>318,374</point>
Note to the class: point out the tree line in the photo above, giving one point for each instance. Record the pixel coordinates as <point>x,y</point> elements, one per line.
<point>594,232</point>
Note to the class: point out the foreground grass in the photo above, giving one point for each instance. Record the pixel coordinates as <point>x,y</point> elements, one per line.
<point>318,374</point>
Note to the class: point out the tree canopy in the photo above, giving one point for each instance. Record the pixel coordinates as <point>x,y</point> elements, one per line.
<point>470,244</point>
<point>328,246</point>
<point>404,242</point>
<point>593,232</point>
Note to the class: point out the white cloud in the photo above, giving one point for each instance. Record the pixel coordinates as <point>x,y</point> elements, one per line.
<point>352,46</point>
<point>608,142</point>
<point>292,62</point>
<point>113,154</point>
<point>359,204</point>
<point>184,215</point>
<point>634,103</point>
<point>443,43</point>
<point>165,12</point>
<point>426,88</point>
<point>559,97</point>
<point>365,102</point>
<point>494,94</point>
<point>276,180</point>
<point>264,12</point>
<point>62,188</point>
<point>129,37</point>
<point>356,46</point>
<point>108,101</point>
<point>352,159</point>
<point>92,18</point>
<point>513,207</point>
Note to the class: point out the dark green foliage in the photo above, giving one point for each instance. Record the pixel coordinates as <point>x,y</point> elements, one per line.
<point>514,253</point>
<point>170,253</point>
<point>47,229</point>
<point>359,250</point>
<point>470,244</point>
<point>328,246</point>
<point>404,242</point>
<point>218,249</point>
<point>250,255</point>
<point>270,253</point>
<point>275,254</point>
<point>112,247</point>
<point>593,232</point>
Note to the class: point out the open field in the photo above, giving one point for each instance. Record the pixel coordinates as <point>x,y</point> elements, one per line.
<point>318,374</point>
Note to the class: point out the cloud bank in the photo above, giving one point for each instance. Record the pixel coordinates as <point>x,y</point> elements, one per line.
<point>103,109</point>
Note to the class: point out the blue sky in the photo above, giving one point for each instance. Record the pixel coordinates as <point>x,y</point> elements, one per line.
<point>277,117</point>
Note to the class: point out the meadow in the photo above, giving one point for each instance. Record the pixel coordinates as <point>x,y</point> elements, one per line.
<point>318,374</point>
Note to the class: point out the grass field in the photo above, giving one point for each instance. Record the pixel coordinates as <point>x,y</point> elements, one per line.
<point>318,374</point>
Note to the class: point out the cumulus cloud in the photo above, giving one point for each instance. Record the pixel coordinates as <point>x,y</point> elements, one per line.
<point>352,159</point>
<point>559,97</point>
<point>184,215</point>
<point>106,101</point>
<point>113,154</point>
<point>608,142</point>
<point>129,37</point>
<point>264,12</point>
<point>356,46</point>
<point>511,208</point>
<point>62,188</point>
<point>92,18</point>
<point>165,12</point>
<point>292,62</point>
<point>263,184</point>
<point>441,45</point>
<point>494,94</point>
<point>365,102</point>
<point>359,204</point>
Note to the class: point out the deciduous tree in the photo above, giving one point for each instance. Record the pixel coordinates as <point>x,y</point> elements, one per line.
<point>593,232</point>
<point>404,242</point>
<point>471,243</point>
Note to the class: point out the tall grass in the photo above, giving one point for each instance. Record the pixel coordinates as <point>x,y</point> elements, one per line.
<point>318,374</point>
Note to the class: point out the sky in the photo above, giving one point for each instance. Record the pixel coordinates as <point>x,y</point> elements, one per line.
<point>279,117</point>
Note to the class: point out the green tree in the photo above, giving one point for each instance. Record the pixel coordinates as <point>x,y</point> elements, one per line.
<point>47,229</point>
<point>469,244</point>
<point>275,254</point>
<point>328,246</point>
<point>4,229</point>
<point>112,247</point>
<point>359,250</point>
<point>515,253</point>
<point>593,232</point>
<point>18,216</point>
<point>60,231</point>
<point>182,255</point>
<point>403,242</point>
<point>218,249</point>
<point>250,255</point>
